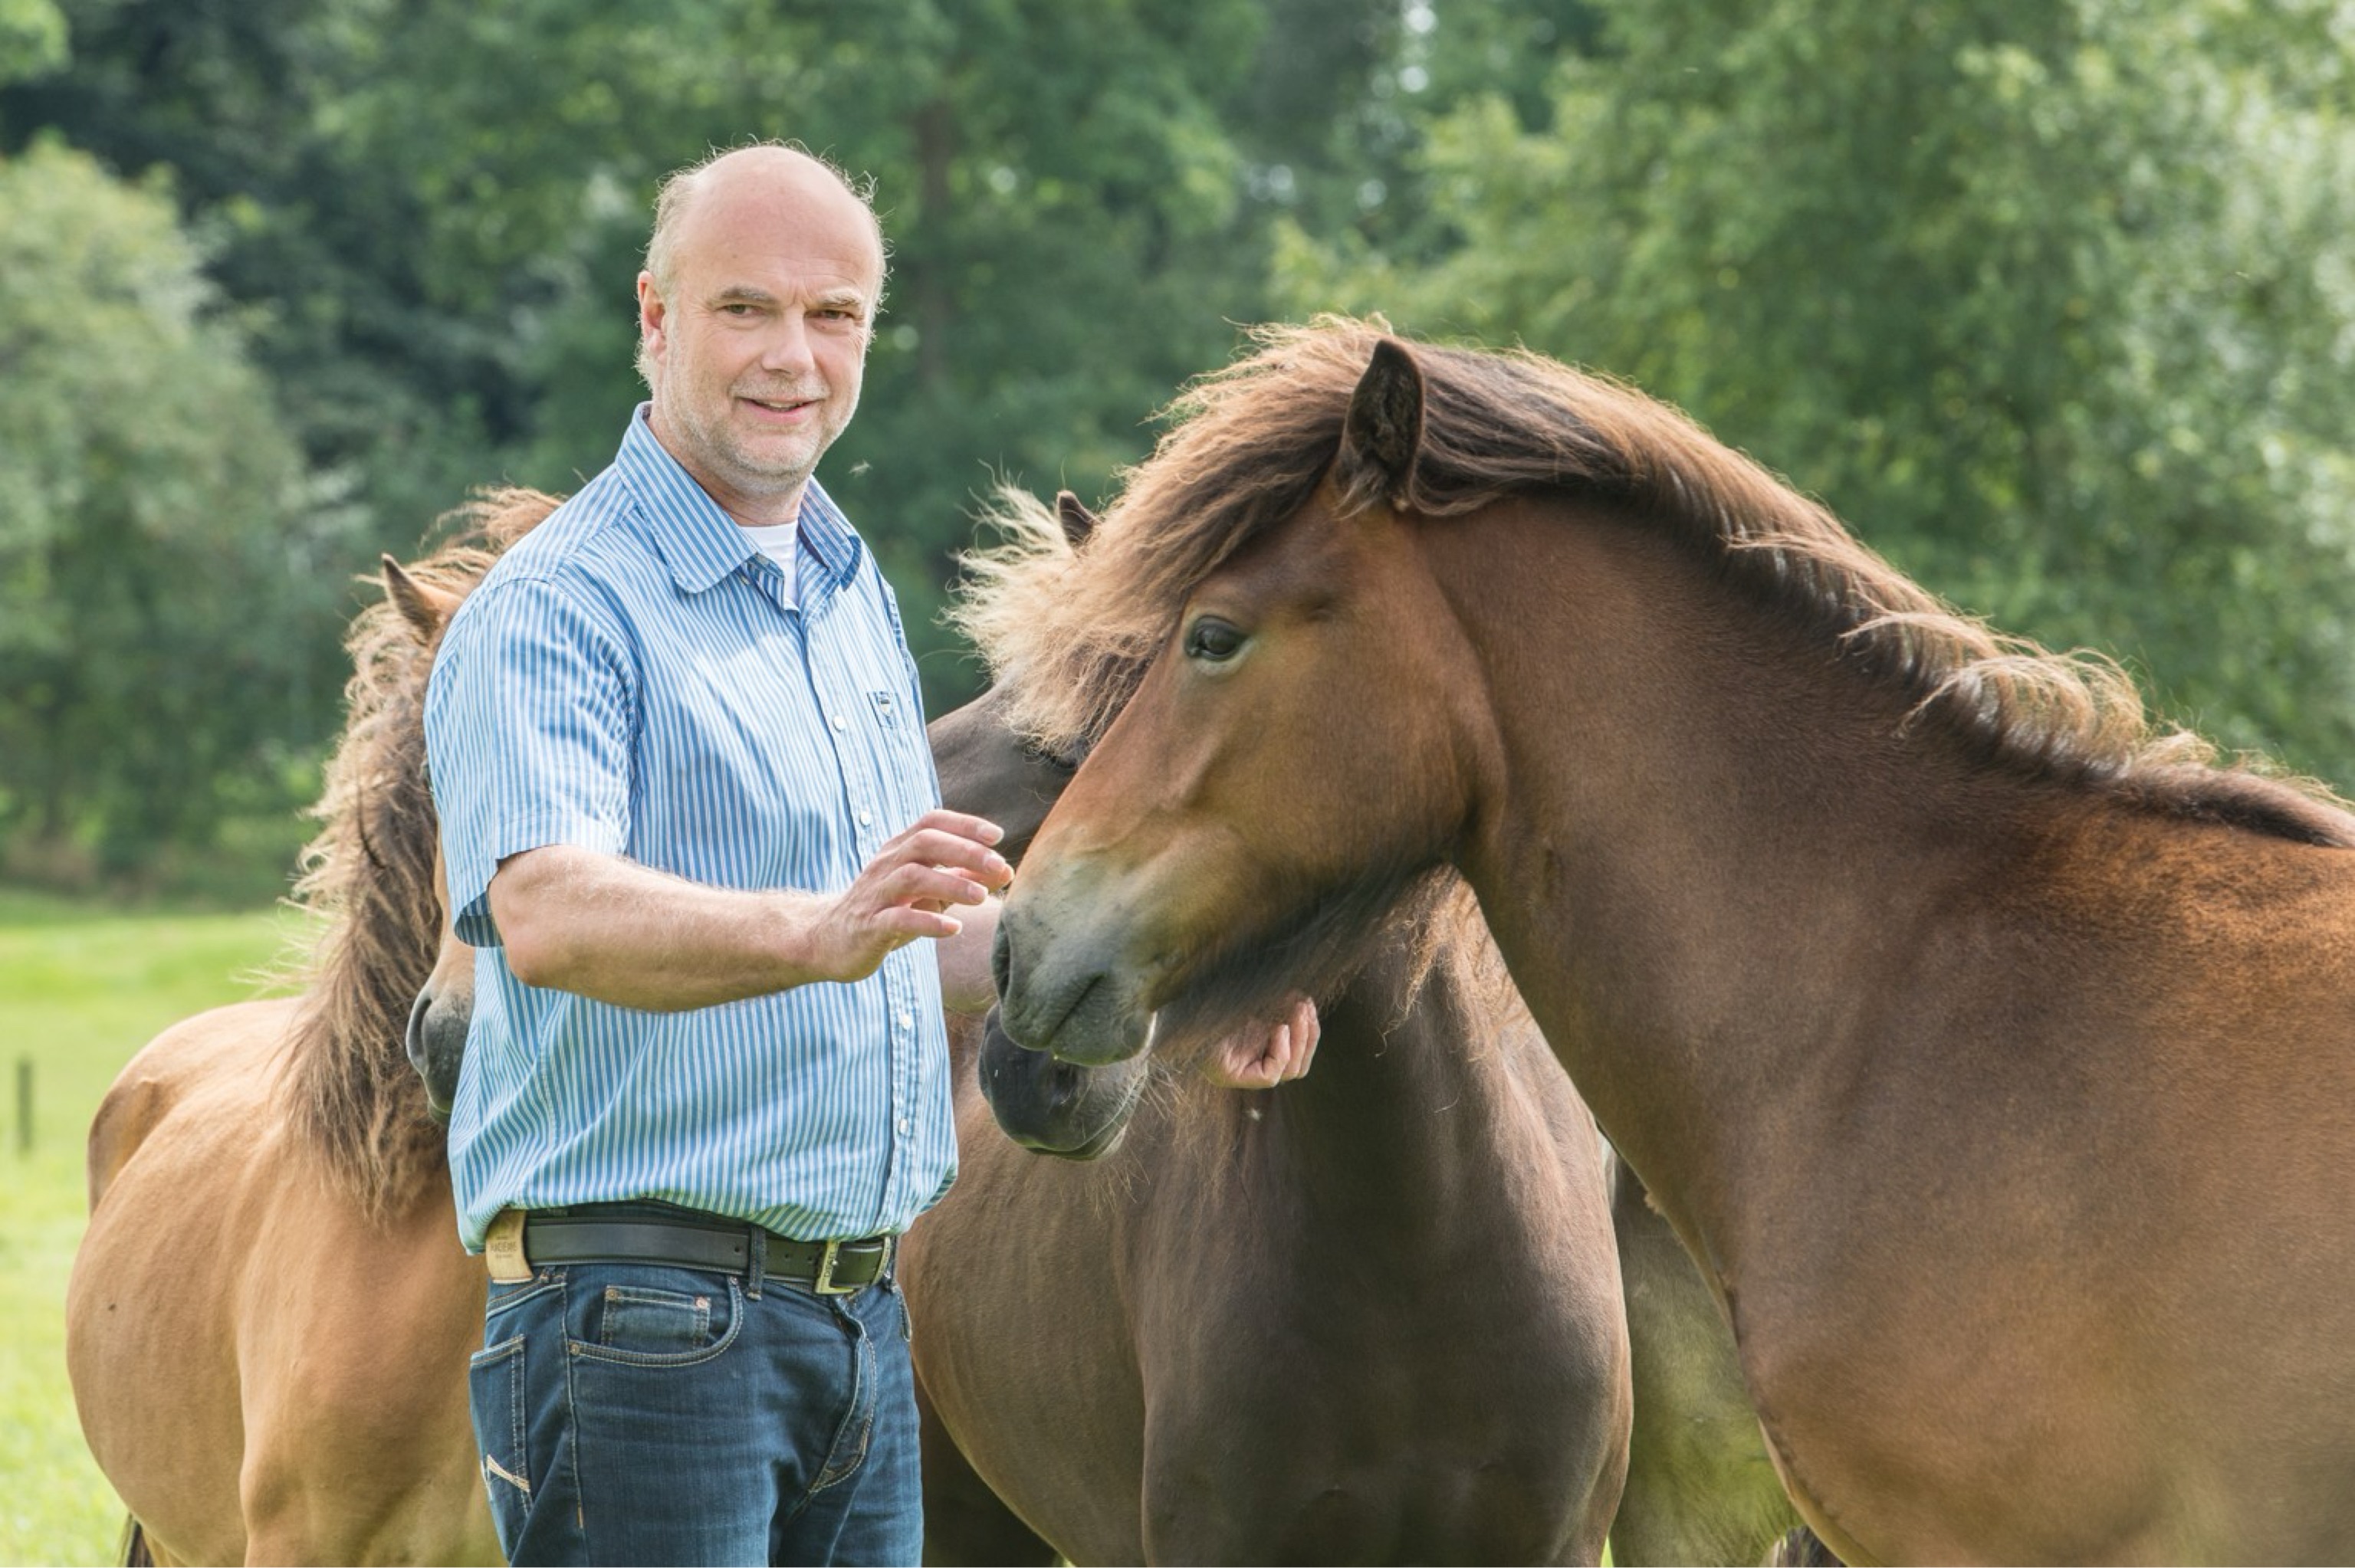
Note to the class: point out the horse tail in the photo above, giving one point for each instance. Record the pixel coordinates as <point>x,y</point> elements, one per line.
<point>1800,1548</point>
<point>133,1552</point>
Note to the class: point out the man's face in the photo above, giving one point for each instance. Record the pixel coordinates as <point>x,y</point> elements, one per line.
<point>757,351</point>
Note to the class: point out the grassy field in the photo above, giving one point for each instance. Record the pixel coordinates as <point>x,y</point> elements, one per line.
<point>81,989</point>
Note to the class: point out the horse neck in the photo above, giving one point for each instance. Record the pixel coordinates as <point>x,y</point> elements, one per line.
<point>1421,1093</point>
<point>1698,824</point>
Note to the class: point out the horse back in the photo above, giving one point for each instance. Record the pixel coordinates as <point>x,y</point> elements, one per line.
<point>190,1054</point>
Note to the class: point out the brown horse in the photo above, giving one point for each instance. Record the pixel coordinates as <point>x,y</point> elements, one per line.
<point>1373,1316</point>
<point>270,1281</point>
<point>1995,1057</point>
<point>270,1315</point>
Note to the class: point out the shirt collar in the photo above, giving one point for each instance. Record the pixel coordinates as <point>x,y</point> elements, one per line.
<point>696,539</point>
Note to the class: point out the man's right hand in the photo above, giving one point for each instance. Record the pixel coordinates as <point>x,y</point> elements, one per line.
<point>945,859</point>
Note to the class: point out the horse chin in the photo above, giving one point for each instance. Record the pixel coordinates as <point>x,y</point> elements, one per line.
<point>1104,1143</point>
<point>1054,1107</point>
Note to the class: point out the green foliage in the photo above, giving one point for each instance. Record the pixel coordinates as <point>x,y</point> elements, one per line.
<point>32,39</point>
<point>443,204</point>
<point>161,632</point>
<point>2056,304</point>
<point>2053,301</point>
<point>1067,243</point>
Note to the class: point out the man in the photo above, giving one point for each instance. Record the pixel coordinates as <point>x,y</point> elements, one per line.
<point>690,820</point>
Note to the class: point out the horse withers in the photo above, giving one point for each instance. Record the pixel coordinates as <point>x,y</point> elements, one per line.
<point>1992,1054</point>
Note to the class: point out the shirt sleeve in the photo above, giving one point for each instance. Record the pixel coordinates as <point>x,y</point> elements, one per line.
<point>527,725</point>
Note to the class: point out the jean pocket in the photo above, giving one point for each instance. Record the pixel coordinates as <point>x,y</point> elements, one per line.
<point>647,1326</point>
<point>506,1296</point>
<point>495,1396</point>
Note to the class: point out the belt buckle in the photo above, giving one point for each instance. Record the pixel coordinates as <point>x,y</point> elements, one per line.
<point>828,1253</point>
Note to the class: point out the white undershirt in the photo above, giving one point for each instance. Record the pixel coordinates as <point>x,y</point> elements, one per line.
<point>777,542</point>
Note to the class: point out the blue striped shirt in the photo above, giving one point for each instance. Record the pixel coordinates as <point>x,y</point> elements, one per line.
<point>634,677</point>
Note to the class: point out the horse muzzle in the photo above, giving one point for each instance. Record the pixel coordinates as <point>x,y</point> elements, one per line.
<point>436,1041</point>
<point>1067,994</point>
<point>1055,1108</point>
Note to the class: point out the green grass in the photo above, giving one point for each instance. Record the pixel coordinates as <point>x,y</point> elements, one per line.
<point>81,988</point>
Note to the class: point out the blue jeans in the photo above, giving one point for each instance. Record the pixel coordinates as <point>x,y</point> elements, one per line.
<point>637,1413</point>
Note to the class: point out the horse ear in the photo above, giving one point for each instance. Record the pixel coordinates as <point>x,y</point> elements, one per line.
<point>1385,423</point>
<point>1079,523</point>
<point>425,608</point>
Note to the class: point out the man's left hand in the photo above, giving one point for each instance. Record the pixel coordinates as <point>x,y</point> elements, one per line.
<point>1261,1056</point>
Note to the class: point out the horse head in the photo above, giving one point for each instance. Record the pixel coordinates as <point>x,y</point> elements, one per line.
<point>989,767</point>
<point>438,1020</point>
<point>1210,856</point>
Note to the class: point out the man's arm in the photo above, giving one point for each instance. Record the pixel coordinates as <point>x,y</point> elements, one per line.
<point>966,983</point>
<point>602,926</point>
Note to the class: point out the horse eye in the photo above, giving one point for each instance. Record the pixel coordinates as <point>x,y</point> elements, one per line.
<point>1212,638</point>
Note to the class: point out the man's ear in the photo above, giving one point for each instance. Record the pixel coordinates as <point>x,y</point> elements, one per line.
<point>653,317</point>
<point>1383,433</point>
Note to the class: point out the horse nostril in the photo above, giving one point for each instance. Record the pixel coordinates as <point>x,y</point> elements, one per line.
<point>1001,960</point>
<point>413,1036</point>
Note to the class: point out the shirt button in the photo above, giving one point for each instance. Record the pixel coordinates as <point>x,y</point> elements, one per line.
<point>866,819</point>
<point>906,1020</point>
<point>905,1127</point>
<point>838,721</point>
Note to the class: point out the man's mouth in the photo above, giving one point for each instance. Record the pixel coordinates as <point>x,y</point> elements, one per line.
<point>784,407</point>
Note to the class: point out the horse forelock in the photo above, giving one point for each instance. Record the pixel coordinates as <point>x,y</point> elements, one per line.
<point>1247,446</point>
<point>367,878</point>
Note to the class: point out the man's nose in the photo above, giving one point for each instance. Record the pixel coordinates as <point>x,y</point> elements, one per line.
<point>787,347</point>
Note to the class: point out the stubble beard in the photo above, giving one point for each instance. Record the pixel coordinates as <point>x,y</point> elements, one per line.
<point>717,450</point>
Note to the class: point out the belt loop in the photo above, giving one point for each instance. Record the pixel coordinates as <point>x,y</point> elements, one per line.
<point>756,1261</point>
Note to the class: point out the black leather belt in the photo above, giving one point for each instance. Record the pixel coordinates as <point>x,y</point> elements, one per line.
<point>684,1238</point>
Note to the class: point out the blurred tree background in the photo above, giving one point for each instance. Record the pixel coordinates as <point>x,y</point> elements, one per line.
<point>2053,300</point>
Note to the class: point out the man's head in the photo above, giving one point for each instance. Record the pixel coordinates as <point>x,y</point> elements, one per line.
<point>754,312</point>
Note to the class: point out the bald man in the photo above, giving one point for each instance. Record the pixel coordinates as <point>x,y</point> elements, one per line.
<point>691,826</point>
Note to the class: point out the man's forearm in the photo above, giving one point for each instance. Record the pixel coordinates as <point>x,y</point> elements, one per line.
<point>606,927</point>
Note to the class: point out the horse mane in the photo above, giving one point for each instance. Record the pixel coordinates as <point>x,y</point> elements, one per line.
<point>1249,446</point>
<point>369,879</point>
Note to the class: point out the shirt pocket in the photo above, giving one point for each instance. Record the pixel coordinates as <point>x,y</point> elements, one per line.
<point>906,752</point>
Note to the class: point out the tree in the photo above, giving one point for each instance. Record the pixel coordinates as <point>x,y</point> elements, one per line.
<point>162,588</point>
<point>1068,225</point>
<point>32,39</point>
<point>2054,303</point>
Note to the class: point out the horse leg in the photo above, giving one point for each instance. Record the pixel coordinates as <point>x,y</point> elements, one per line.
<point>1701,1487</point>
<point>965,1522</point>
